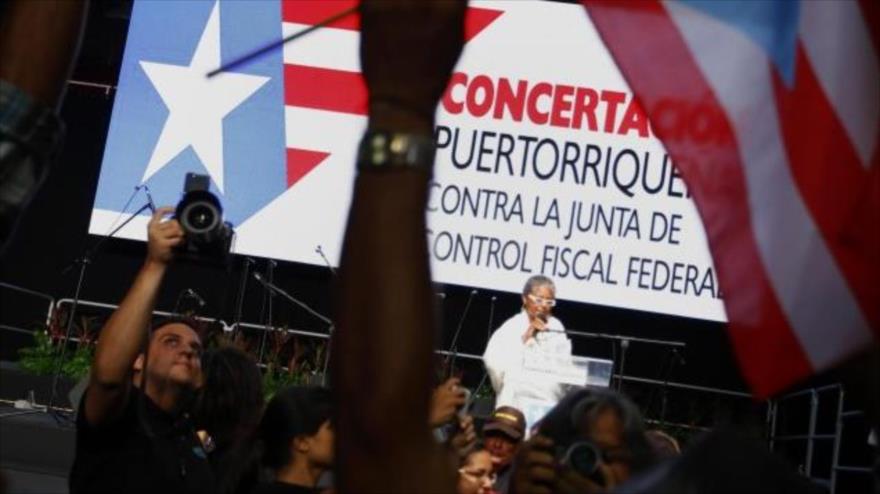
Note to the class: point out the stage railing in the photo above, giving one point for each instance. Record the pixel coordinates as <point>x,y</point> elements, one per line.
<point>32,293</point>
<point>811,438</point>
<point>619,376</point>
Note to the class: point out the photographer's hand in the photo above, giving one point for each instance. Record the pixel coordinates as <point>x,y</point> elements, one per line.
<point>162,237</point>
<point>534,470</point>
<point>570,482</point>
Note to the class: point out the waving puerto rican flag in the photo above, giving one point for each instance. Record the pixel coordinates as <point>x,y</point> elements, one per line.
<point>771,112</point>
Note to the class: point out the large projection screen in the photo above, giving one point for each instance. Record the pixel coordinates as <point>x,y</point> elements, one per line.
<point>545,162</point>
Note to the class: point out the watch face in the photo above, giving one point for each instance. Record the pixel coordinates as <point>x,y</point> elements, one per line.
<point>389,149</point>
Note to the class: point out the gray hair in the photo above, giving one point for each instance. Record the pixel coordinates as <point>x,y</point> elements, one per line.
<point>536,281</point>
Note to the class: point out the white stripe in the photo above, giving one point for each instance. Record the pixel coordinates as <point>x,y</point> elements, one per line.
<point>811,290</point>
<point>328,48</point>
<point>839,47</point>
<point>319,130</point>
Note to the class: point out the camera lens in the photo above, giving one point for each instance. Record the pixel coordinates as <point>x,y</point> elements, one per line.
<point>583,458</point>
<point>200,217</point>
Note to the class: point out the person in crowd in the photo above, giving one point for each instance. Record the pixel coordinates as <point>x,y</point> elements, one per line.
<point>297,436</point>
<point>140,438</point>
<point>533,330</point>
<point>227,417</point>
<point>608,421</point>
<point>476,475</point>
<point>502,435</point>
<point>663,445</point>
<point>382,376</point>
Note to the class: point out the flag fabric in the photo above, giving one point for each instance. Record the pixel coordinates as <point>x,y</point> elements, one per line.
<point>771,111</point>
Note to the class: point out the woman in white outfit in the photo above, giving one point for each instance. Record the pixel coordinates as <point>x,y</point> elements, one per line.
<point>533,332</point>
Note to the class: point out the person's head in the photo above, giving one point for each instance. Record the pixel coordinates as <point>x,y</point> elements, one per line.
<point>172,356</point>
<point>539,297</point>
<point>502,435</point>
<point>476,475</point>
<point>229,409</point>
<point>296,429</point>
<point>230,402</point>
<point>608,420</point>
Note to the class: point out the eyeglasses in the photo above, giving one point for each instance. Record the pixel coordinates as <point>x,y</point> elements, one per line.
<point>478,475</point>
<point>549,302</point>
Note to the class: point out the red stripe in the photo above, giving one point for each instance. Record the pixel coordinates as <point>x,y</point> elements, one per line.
<point>325,89</point>
<point>300,162</point>
<point>832,181</point>
<point>770,355</point>
<point>314,11</point>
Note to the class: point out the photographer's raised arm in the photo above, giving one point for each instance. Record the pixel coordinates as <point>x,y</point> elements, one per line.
<point>122,338</point>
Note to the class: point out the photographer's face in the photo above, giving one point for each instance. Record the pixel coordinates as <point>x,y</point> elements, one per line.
<point>174,356</point>
<point>606,431</point>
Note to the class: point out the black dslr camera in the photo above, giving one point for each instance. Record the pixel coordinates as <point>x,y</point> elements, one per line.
<point>208,238</point>
<point>571,448</point>
<point>583,457</point>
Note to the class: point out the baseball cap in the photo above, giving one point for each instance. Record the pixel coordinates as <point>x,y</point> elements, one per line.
<point>507,420</point>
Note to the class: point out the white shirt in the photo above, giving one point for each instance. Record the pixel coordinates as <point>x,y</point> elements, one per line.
<point>504,362</point>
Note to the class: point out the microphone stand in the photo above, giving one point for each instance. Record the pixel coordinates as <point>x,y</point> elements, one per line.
<point>268,296</point>
<point>83,262</point>
<point>488,337</point>
<point>453,347</point>
<point>673,359</point>
<point>330,326</point>
<point>242,289</point>
<point>320,252</point>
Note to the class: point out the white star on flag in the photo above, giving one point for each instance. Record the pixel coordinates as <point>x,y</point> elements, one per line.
<point>197,104</point>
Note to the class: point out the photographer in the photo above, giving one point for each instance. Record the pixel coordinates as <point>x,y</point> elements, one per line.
<point>592,441</point>
<point>133,430</point>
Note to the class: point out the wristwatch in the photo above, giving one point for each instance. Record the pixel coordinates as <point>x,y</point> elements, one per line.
<point>382,150</point>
